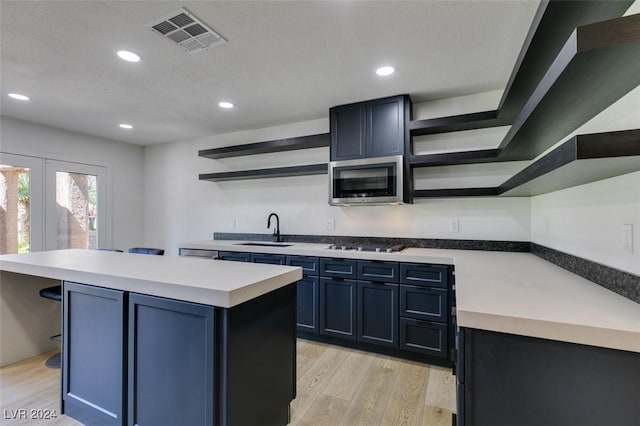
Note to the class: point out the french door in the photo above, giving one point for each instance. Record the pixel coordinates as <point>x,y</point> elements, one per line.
<point>21,204</point>
<point>75,205</point>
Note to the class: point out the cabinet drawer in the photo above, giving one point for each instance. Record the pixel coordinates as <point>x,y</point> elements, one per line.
<point>425,337</point>
<point>423,303</point>
<point>310,265</point>
<point>338,268</point>
<point>273,259</point>
<point>234,256</point>
<point>425,275</point>
<point>370,270</point>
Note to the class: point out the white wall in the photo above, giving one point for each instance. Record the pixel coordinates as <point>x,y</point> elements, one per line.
<point>587,220</point>
<point>124,163</point>
<point>180,208</point>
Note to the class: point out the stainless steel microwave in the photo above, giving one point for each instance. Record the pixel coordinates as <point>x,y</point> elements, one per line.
<point>366,181</point>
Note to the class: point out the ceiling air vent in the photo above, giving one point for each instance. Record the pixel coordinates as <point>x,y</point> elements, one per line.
<point>184,29</point>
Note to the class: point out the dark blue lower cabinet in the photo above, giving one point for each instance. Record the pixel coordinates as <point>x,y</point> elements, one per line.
<point>234,256</point>
<point>338,308</point>
<point>94,354</point>
<point>425,337</point>
<point>377,310</point>
<point>307,304</point>
<point>171,362</point>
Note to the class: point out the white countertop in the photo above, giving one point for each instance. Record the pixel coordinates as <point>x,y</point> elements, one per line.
<point>217,283</point>
<point>517,293</point>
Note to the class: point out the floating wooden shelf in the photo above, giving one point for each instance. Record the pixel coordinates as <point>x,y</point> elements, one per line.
<point>581,159</point>
<point>454,192</point>
<point>278,145</point>
<point>598,65</point>
<point>553,24</point>
<point>309,169</point>
<point>456,123</point>
<point>451,158</point>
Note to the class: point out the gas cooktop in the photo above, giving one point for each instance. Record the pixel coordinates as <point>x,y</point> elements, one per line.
<point>377,249</point>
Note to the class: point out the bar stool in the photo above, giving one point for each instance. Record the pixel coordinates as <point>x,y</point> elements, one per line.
<point>55,293</point>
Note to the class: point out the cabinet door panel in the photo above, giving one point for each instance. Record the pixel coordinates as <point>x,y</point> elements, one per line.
<point>171,362</point>
<point>425,337</point>
<point>424,303</point>
<point>234,256</point>
<point>385,127</point>
<point>307,305</point>
<point>94,353</point>
<point>378,313</point>
<point>348,132</point>
<point>338,308</point>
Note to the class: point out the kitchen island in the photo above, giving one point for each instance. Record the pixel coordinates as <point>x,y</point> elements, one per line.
<point>535,344</point>
<point>162,340</point>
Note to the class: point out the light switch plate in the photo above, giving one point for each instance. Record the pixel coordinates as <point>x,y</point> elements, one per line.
<point>627,238</point>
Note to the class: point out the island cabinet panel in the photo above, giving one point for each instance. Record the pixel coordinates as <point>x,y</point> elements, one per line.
<point>258,360</point>
<point>171,362</point>
<point>94,353</point>
<point>510,379</point>
<point>338,308</point>
<point>378,313</point>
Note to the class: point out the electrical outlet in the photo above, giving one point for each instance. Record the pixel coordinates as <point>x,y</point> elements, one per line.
<point>234,223</point>
<point>627,238</point>
<point>454,225</point>
<point>330,224</point>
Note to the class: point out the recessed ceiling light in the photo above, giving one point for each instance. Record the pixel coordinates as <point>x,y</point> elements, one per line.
<point>126,126</point>
<point>384,71</point>
<point>18,96</point>
<point>128,56</point>
<point>225,105</point>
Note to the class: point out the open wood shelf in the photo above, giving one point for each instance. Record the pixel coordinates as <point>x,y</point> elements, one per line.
<point>453,158</point>
<point>454,192</point>
<point>581,159</point>
<point>598,65</point>
<point>278,145</point>
<point>553,87</point>
<point>309,169</point>
<point>456,123</point>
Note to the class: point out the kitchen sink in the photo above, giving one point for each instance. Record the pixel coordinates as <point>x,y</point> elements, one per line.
<point>264,244</point>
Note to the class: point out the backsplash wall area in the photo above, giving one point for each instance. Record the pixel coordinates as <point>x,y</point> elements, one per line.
<point>180,208</point>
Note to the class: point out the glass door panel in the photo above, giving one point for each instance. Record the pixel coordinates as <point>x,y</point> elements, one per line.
<point>20,204</point>
<point>14,209</point>
<point>75,206</point>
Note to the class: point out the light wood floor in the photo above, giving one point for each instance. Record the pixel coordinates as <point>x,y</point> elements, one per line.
<point>336,386</point>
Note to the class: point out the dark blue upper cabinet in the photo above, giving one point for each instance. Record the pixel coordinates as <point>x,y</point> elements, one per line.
<point>370,129</point>
<point>348,132</point>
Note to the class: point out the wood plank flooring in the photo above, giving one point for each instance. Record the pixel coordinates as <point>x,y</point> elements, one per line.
<point>336,386</point>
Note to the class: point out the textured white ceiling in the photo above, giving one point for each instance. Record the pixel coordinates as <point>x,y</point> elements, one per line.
<point>283,61</point>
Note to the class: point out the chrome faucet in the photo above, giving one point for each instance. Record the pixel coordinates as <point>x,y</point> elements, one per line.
<point>276,232</point>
